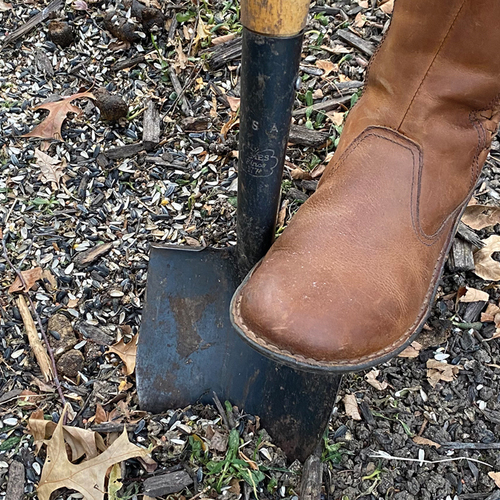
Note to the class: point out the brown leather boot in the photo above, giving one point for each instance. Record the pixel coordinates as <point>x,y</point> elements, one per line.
<point>351,280</point>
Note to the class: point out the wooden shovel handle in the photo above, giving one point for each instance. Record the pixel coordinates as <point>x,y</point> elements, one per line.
<point>275,17</point>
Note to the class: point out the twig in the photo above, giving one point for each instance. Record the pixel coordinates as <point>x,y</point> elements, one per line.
<point>34,21</point>
<point>387,456</point>
<point>10,211</point>
<point>38,320</point>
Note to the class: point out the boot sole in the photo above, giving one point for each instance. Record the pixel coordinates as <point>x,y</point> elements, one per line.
<point>314,366</point>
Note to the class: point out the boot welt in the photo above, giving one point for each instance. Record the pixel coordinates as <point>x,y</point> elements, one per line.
<point>302,363</point>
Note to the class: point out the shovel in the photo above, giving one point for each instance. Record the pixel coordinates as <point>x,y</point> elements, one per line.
<point>188,348</point>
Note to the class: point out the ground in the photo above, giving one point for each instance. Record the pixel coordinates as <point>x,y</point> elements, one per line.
<point>62,198</point>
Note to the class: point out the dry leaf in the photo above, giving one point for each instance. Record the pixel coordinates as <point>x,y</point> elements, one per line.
<point>51,168</point>
<point>80,5</point>
<point>387,7</point>
<point>363,4</point>
<point>327,66</point>
<point>496,477</point>
<point>50,128</point>
<point>298,173</point>
<point>223,39</point>
<point>474,295</point>
<point>412,351</point>
<point>480,216</point>
<point>441,371</point>
<point>127,353</point>
<point>4,7</point>
<point>371,378</point>
<point>424,441</point>
<point>31,276</point>
<point>234,102</point>
<point>336,118</point>
<point>351,407</point>
<point>101,415</point>
<point>233,121</point>
<point>359,20</point>
<point>81,441</point>
<point>181,56</point>
<point>87,477</point>
<point>114,484</point>
<point>485,266</point>
<point>282,214</point>
<point>492,314</point>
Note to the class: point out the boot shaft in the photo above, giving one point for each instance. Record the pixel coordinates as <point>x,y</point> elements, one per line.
<point>436,80</point>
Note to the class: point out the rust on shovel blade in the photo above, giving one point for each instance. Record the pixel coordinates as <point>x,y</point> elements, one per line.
<point>188,349</point>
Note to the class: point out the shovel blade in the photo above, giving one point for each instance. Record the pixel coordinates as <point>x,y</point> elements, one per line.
<point>188,349</point>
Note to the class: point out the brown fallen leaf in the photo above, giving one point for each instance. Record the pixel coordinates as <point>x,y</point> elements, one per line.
<point>234,102</point>
<point>359,20</point>
<point>424,441</point>
<point>31,276</point>
<point>438,371</point>
<point>412,351</point>
<point>491,315</point>
<point>182,59</point>
<point>224,38</point>
<point>480,216</point>
<point>50,128</point>
<point>336,118</point>
<point>474,295</point>
<point>127,353</point>
<point>371,378</point>
<point>232,122</point>
<point>387,7</point>
<point>87,477</point>
<point>298,174</point>
<point>51,169</point>
<point>81,441</point>
<point>496,477</point>
<point>485,266</point>
<point>327,66</point>
<point>4,7</point>
<point>351,407</point>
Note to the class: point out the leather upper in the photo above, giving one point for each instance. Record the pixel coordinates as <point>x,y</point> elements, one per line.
<point>352,277</point>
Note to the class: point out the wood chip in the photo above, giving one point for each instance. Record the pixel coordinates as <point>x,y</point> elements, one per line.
<point>424,441</point>
<point>166,484</point>
<point>151,127</point>
<point>83,259</point>
<point>15,484</point>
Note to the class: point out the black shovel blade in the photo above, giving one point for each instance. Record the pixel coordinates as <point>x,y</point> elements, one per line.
<point>188,349</point>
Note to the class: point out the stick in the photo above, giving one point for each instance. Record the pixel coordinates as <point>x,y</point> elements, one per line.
<point>453,445</point>
<point>324,106</point>
<point>35,343</point>
<point>34,21</point>
<point>38,319</point>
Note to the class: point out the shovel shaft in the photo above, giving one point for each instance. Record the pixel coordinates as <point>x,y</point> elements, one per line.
<point>269,67</point>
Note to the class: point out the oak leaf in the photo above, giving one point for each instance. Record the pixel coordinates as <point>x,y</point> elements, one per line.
<point>50,128</point>
<point>51,169</point>
<point>31,276</point>
<point>474,295</point>
<point>127,353</point>
<point>87,477</point>
<point>327,66</point>
<point>81,441</point>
